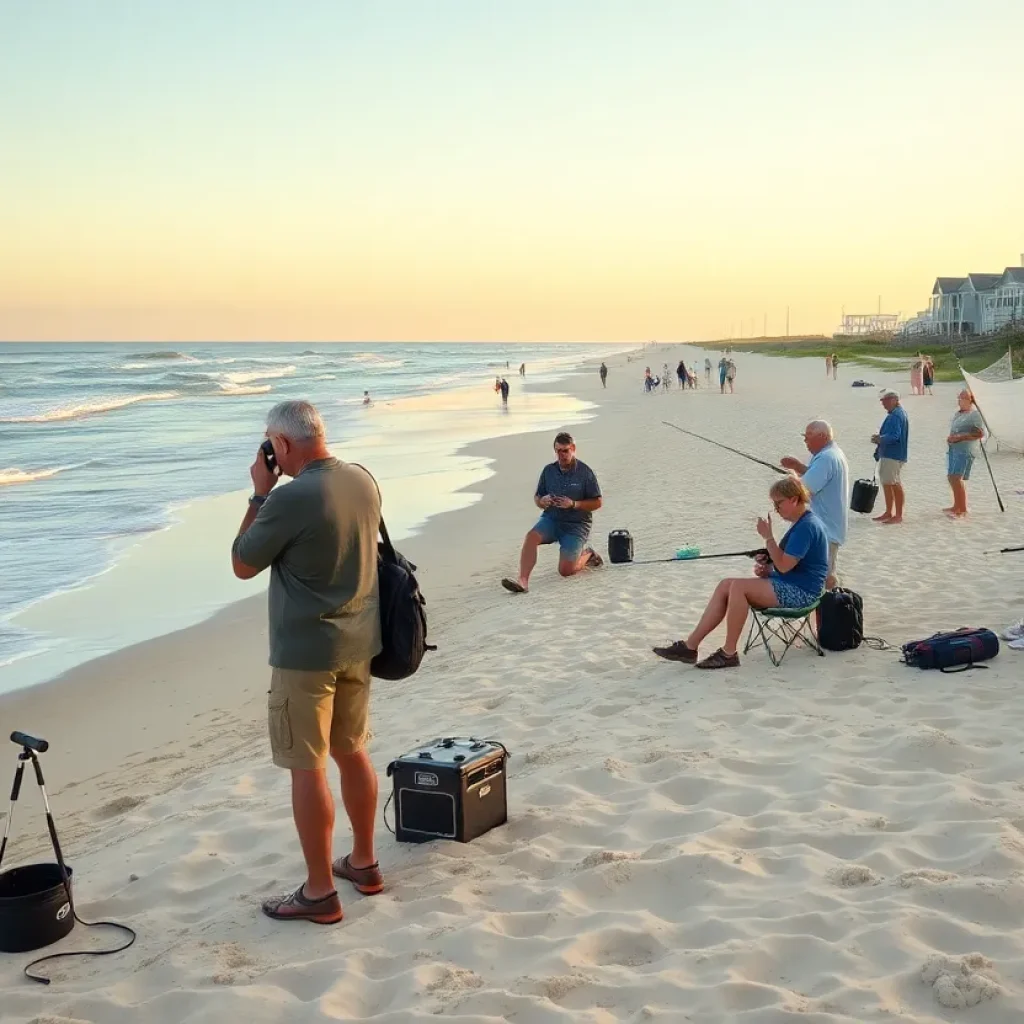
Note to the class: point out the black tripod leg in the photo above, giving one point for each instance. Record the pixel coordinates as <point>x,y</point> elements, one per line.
<point>52,828</point>
<point>15,790</point>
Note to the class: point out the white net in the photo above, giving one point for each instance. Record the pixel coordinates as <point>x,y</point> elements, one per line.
<point>1001,369</point>
<point>1001,402</point>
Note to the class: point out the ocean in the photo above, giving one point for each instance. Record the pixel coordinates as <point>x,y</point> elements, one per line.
<point>104,445</point>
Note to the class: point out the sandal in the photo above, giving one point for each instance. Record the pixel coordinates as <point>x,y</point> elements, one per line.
<point>595,561</point>
<point>513,586</point>
<point>720,660</point>
<point>298,907</point>
<point>369,881</point>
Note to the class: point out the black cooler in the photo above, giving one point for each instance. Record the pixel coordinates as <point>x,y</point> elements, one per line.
<point>451,788</point>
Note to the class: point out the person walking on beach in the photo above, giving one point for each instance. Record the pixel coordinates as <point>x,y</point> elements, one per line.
<point>891,447</point>
<point>723,369</point>
<point>828,366</point>
<point>707,368</point>
<point>730,376</point>
<point>568,494</point>
<point>366,398</point>
<point>682,374</point>
<point>504,391</point>
<point>917,375</point>
<point>522,369</point>
<point>318,536</point>
<point>965,434</point>
<point>827,477</point>
<point>835,366</point>
<point>604,375</point>
<point>927,375</point>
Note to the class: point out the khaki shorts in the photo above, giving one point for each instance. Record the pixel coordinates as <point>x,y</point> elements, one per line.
<point>833,555</point>
<point>314,714</point>
<point>889,472</point>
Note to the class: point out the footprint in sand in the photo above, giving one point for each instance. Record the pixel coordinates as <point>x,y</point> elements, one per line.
<point>961,981</point>
<point>120,805</point>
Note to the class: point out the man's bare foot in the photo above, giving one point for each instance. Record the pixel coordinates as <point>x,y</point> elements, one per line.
<point>884,518</point>
<point>952,508</point>
<point>894,521</point>
<point>955,513</point>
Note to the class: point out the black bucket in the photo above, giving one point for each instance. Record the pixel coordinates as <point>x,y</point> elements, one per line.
<point>862,498</point>
<point>34,907</point>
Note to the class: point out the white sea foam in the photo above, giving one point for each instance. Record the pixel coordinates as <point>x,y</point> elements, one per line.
<point>21,476</point>
<point>251,375</point>
<point>78,412</point>
<point>244,389</point>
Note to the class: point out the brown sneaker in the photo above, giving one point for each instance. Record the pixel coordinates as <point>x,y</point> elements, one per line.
<point>298,907</point>
<point>677,652</point>
<point>369,881</point>
<point>720,660</point>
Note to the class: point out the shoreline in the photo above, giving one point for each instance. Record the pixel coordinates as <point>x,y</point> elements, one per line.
<point>122,586</point>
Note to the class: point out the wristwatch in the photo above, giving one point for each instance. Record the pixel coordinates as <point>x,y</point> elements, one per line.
<point>257,499</point>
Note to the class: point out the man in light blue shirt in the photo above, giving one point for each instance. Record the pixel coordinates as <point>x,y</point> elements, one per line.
<point>827,477</point>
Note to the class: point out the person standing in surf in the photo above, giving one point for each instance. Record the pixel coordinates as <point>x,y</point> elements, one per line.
<point>604,375</point>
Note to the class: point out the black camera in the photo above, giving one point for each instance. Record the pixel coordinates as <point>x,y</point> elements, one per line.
<point>269,458</point>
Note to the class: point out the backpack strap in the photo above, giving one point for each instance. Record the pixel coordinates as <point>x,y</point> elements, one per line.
<point>389,548</point>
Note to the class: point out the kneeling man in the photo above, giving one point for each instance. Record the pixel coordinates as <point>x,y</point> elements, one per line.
<point>567,494</point>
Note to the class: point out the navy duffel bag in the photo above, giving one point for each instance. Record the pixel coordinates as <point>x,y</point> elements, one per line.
<point>952,652</point>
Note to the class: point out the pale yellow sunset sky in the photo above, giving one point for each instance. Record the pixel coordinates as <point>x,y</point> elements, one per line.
<point>518,171</point>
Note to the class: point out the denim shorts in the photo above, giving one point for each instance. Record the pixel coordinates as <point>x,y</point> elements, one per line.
<point>571,537</point>
<point>958,463</point>
<point>789,596</point>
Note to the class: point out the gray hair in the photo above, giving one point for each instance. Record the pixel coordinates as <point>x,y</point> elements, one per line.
<point>821,427</point>
<point>298,421</point>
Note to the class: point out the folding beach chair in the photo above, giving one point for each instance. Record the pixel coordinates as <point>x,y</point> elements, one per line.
<point>785,626</point>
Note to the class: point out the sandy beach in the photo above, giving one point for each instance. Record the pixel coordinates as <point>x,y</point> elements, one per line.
<point>837,840</point>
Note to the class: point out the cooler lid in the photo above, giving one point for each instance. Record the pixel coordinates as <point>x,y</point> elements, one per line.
<point>453,751</point>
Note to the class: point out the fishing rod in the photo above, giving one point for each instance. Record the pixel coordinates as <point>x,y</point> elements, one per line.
<point>753,553</point>
<point>735,451</point>
<point>1004,551</point>
<point>981,442</point>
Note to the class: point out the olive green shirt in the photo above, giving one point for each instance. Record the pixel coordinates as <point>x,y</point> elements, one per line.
<point>318,534</point>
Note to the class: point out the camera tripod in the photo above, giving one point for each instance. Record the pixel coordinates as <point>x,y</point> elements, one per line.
<point>31,748</point>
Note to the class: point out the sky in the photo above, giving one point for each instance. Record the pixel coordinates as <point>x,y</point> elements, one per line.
<point>524,170</point>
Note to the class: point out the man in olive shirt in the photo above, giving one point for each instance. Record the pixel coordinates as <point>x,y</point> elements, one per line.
<point>318,535</point>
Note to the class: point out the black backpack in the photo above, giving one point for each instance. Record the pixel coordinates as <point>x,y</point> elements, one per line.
<point>403,610</point>
<point>403,614</point>
<point>840,620</point>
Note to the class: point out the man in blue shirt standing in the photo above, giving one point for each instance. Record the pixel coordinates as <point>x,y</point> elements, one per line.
<point>567,494</point>
<point>827,477</point>
<point>892,442</point>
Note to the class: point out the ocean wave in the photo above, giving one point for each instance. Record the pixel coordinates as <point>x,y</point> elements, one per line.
<point>78,412</point>
<point>21,476</point>
<point>373,357</point>
<point>326,376</point>
<point>227,388</point>
<point>249,376</point>
<point>163,354</point>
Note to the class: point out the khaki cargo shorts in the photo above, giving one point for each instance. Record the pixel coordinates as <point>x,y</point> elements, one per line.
<point>833,557</point>
<point>889,471</point>
<point>312,714</point>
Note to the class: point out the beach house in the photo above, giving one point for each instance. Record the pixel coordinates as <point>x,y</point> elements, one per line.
<point>975,304</point>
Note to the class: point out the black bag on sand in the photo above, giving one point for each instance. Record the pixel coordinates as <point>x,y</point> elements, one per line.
<point>403,614</point>
<point>620,546</point>
<point>863,496</point>
<point>840,620</point>
<point>952,652</point>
